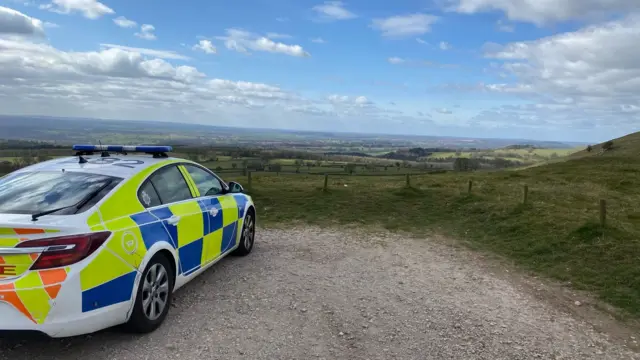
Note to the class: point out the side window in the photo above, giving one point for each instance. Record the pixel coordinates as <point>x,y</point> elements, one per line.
<point>170,185</point>
<point>206,183</point>
<point>148,195</point>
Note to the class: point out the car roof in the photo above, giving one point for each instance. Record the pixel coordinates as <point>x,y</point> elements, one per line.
<point>124,167</point>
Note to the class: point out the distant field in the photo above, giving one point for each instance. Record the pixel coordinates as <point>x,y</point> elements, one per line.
<point>508,154</point>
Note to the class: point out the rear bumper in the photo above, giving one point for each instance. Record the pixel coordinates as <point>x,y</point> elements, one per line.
<point>15,324</point>
<point>55,310</point>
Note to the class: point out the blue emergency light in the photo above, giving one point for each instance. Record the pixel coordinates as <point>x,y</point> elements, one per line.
<point>149,149</point>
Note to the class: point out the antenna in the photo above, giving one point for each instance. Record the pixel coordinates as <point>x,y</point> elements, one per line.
<point>104,152</point>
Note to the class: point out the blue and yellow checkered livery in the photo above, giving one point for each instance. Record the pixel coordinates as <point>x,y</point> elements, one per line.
<point>208,228</point>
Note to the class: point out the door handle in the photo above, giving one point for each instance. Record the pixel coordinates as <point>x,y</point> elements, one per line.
<point>173,220</point>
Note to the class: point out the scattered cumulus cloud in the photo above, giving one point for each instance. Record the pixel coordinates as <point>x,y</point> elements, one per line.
<point>333,10</point>
<point>91,9</point>
<point>444,45</point>
<point>162,54</point>
<point>404,25</point>
<point>123,22</point>
<point>146,32</point>
<point>274,35</point>
<point>544,12</point>
<point>592,73</point>
<point>243,41</point>
<point>13,22</point>
<point>414,62</point>
<point>205,46</point>
<point>318,40</point>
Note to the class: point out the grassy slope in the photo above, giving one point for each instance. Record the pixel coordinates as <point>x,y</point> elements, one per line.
<point>556,234</point>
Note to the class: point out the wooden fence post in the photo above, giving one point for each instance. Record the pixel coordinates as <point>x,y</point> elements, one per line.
<point>603,212</point>
<point>470,186</point>
<point>525,193</point>
<point>408,180</point>
<point>326,182</point>
<point>249,180</point>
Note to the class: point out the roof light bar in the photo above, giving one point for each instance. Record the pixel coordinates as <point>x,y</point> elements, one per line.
<point>152,149</point>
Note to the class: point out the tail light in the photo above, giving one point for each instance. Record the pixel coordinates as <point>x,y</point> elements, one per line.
<point>65,250</point>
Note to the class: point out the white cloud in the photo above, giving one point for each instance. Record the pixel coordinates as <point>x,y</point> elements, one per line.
<point>51,25</point>
<point>13,22</point>
<point>242,41</point>
<point>395,60</point>
<point>41,61</point>
<point>123,22</point>
<point>444,45</point>
<point>319,40</point>
<point>413,62</point>
<point>444,111</point>
<point>205,46</point>
<point>592,74</point>
<point>273,35</point>
<point>541,12</point>
<point>282,19</point>
<point>333,10</point>
<point>505,27</point>
<point>162,54</point>
<point>90,9</point>
<point>404,25</point>
<point>146,32</point>
<point>420,41</point>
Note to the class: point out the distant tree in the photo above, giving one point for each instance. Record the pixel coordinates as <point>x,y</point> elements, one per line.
<point>589,148</point>
<point>218,169</point>
<point>397,164</point>
<point>234,165</point>
<point>554,155</point>
<point>350,168</point>
<point>275,167</point>
<point>465,164</point>
<point>608,145</point>
<point>255,166</point>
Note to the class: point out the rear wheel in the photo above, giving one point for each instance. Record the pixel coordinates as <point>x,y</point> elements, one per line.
<point>154,296</point>
<point>248,235</point>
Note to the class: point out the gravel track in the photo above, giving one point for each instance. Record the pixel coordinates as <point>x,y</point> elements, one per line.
<point>308,293</point>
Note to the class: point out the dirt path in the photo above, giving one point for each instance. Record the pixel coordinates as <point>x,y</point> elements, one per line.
<point>307,293</point>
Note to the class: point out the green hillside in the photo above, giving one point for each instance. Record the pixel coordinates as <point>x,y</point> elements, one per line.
<point>628,145</point>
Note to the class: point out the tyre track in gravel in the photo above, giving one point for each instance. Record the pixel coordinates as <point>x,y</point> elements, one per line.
<point>308,293</point>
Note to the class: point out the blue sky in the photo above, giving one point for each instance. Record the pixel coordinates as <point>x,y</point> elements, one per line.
<point>490,68</point>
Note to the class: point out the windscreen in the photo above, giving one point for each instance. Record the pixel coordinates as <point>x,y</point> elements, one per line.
<point>35,192</point>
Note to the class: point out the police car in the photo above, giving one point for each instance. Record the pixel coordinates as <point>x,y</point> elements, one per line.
<point>105,237</point>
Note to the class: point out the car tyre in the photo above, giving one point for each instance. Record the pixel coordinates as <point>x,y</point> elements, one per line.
<point>248,236</point>
<point>153,297</point>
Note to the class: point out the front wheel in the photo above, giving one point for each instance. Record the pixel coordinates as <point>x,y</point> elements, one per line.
<point>248,235</point>
<point>154,296</point>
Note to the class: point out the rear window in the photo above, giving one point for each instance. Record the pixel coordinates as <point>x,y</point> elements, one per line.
<point>34,192</point>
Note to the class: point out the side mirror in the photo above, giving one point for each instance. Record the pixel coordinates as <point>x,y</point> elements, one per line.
<point>234,187</point>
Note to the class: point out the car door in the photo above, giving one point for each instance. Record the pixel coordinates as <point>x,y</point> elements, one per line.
<point>180,213</point>
<point>218,208</point>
